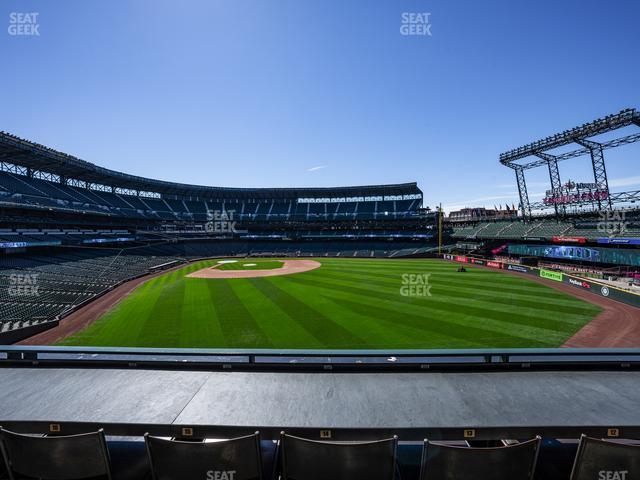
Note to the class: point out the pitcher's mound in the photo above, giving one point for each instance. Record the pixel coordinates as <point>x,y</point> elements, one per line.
<point>288,267</point>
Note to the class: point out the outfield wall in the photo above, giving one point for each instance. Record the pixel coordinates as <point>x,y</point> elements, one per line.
<point>614,256</point>
<point>13,336</point>
<point>597,288</point>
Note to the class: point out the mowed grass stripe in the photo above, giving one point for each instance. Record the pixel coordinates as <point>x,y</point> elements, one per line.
<point>318,325</point>
<point>546,299</point>
<point>120,326</point>
<point>474,336</point>
<point>420,308</point>
<point>201,328</point>
<point>502,320</point>
<point>282,330</point>
<point>379,330</point>
<point>165,318</point>
<point>347,303</point>
<point>470,308</point>
<point>369,329</point>
<point>550,299</point>
<point>492,282</point>
<point>238,326</point>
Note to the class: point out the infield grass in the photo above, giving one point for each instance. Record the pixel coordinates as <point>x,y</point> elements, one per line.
<point>248,264</point>
<point>346,303</point>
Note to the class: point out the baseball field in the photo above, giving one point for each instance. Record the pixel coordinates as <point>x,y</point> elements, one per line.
<point>345,303</point>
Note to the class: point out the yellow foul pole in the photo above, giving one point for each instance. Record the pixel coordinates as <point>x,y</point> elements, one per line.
<point>440,230</point>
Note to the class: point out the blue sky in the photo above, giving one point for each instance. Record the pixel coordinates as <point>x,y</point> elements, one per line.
<point>320,92</point>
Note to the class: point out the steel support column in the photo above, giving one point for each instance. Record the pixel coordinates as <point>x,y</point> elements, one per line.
<point>522,191</point>
<point>599,169</point>
<point>554,177</point>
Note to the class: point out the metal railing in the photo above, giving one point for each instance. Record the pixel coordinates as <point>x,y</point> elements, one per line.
<point>319,360</point>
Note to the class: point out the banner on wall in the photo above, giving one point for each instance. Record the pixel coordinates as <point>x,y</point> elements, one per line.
<point>618,256</point>
<point>579,283</point>
<point>518,268</point>
<point>561,239</point>
<point>551,275</point>
<point>619,241</point>
<point>51,243</point>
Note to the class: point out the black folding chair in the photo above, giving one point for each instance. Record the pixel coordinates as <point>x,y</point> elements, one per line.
<point>304,459</point>
<point>3,469</point>
<point>238,459</point>
<point>446,462</point>
<point>602,459</point>
<point>71,457</point>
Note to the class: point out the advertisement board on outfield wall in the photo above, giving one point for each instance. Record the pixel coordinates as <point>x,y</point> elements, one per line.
<point>617,256</point>
<point>594,287</point>
<point>619,241</point>
<point>561,239</point>
<point>579,283</point>
<point>518,268</point>
<point>551,275</point>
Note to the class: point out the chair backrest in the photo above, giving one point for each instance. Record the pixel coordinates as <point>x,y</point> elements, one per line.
<point>304,459</point>
<point>601,459</point>
<point>3,468</point>
<point>56,457</point>
<point>445,462</point>
<point>234,459</point>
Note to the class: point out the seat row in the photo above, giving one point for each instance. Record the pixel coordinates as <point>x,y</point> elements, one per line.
<point>86,456</point>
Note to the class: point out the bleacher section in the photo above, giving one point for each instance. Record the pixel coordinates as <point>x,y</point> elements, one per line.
<point>37,288</point>
<point>51,237</point>
<point>545,229</point>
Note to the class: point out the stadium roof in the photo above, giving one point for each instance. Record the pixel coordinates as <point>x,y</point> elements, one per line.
<point>32,155</point>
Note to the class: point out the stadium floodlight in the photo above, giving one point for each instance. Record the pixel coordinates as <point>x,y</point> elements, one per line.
<point>539,150</point>
<point>622,119</point>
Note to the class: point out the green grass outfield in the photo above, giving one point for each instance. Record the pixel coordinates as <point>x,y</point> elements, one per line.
<point>346,303</point>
